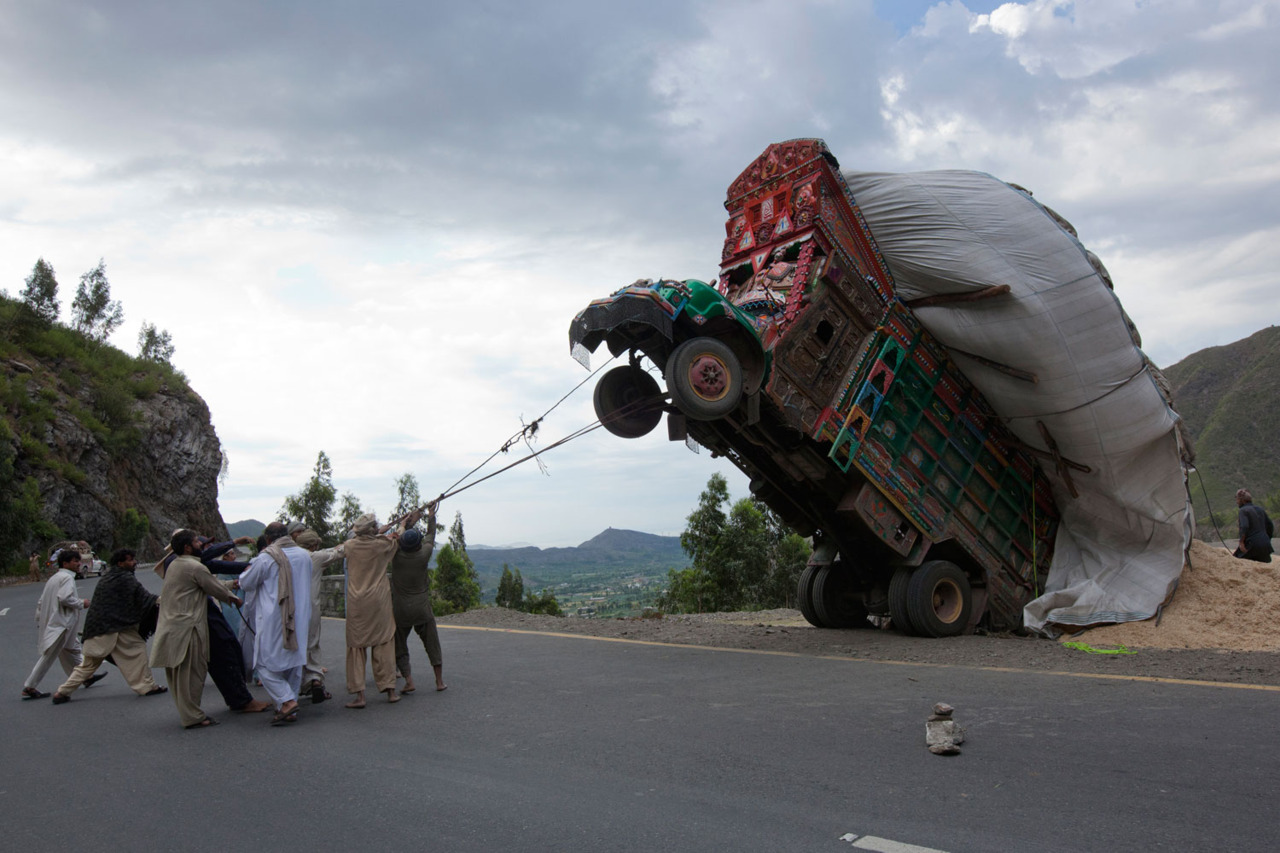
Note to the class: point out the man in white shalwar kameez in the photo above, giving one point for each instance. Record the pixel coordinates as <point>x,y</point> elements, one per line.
<point>57,616</point>
<point>280,580</point>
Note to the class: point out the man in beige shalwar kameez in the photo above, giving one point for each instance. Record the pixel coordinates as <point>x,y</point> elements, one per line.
<point>181,643</point>
<point>371,625</point>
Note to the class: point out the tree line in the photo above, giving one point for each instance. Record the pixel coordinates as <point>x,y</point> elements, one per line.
<point>455,584</point>
<point>93,312</point>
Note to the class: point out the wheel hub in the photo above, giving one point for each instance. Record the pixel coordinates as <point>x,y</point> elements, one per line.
<point>948,602</point>
<point>708,377</point>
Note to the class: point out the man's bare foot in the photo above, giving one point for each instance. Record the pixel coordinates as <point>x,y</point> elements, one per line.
<point>409,686</point>
<point>438,670</point>
<point>254,707</point>
<point>440,685</point>
<point>357,702</point>
<point>392,695</point>
<point>289,707</point>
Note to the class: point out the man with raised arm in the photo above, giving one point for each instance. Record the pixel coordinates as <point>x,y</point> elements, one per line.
<point>371,625</point>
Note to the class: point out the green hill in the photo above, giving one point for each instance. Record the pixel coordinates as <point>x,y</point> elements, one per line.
<point>1229,397</point>
<point>607,556</point>
<point>248,527</point>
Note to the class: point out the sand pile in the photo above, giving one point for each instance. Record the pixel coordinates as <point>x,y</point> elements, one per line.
<point>1220,603</point>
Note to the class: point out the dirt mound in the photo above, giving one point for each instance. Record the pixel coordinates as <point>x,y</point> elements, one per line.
<point>1220,603</point>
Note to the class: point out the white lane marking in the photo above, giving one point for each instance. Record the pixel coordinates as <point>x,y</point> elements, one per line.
<point>885,845</point>
<point>4,612</point>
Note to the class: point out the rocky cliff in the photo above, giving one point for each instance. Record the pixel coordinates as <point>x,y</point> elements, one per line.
<point>100,433</point>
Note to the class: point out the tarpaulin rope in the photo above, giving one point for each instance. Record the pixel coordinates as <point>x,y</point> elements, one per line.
<point>525,432</point>
<point>1209,506</point>
<point>618,414</point>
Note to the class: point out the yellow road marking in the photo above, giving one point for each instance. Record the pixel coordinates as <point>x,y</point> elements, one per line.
<point>1101,676</point>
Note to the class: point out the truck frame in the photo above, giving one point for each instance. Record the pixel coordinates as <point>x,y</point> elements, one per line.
<point>853,424</point>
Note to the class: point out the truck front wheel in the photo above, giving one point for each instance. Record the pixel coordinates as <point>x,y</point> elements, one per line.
<point>628,402</point>
<point>704,377</point>
<point>939,599</point>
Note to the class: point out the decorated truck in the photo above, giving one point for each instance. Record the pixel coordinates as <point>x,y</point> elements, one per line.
<point>803,367</point>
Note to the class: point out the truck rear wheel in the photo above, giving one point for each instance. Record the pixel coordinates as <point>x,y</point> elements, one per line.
<point>837,598</point>
<point>898,611</point>
<point>704,377</point>
<point>939,599</point>
<point>628,402</point>
<point>804,596</point>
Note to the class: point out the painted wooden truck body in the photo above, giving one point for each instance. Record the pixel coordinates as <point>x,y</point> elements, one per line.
<point>853,424</point>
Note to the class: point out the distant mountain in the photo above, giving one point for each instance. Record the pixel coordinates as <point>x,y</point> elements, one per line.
<point>1229,397</point>
<point>248,527</point>
<point>612,553</point>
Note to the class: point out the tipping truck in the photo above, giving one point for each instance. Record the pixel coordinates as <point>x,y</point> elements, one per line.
<point>853,424</point>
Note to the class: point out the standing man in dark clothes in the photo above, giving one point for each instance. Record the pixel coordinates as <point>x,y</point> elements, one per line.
<point>226,658</point>
<point>1256,530</point>
<point>411,599</point>
<point>111,628</point>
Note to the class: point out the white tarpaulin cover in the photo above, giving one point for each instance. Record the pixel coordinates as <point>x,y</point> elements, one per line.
<point>1121,543</point>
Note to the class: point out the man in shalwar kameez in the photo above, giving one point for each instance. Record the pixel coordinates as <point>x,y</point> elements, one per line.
<point>57,615</point>
<point>371,625</point>
<point>181,643</point>
<point>280,580</point>
<point>321,558</point>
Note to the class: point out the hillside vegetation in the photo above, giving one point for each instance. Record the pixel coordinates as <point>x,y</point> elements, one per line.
<point>1229,397</point>
<point>79,454</point>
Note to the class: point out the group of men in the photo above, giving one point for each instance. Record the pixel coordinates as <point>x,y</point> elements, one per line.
<point>278,595</point>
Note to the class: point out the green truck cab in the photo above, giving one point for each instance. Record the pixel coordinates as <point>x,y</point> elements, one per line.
<point>802,366</point>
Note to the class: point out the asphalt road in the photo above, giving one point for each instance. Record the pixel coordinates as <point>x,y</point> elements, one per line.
<point>554,743</point>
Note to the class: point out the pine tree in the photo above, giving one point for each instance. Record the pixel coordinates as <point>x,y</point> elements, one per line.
<point>510,589</point>
<point>41,292</point>
<point>313,506</point>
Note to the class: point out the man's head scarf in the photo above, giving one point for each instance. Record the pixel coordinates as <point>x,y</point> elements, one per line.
<point>1243,495</point>
<point>366,525</point>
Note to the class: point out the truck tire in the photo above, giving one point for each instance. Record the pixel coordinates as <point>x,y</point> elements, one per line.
<point>898,585</point>
<point>704,378</point>
<point>939,599</point>
<point>628,402</point>
<point>804,596</point>
<point>837,599</point>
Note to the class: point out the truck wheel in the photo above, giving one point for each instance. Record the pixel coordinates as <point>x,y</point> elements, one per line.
<point>837,599</point>
<point>898,601</point>
<point>939,599</point>
<point>804,596</point>
<point>628,402</point>
<point>704,378</point>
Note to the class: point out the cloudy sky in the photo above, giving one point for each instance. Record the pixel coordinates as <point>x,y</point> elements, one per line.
<point>388,213</point>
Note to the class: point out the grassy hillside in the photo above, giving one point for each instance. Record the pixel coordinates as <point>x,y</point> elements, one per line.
<point>67,400</point>
<point>1229,397</point>
<point>607,556</point>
